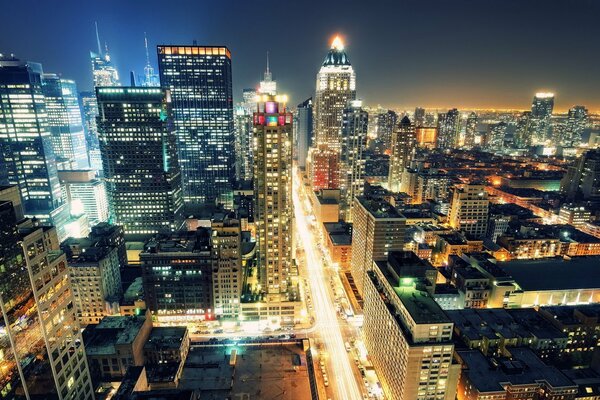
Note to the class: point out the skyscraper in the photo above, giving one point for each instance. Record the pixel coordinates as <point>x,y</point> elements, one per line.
<point>27,158</point>
<point>448,129</point>
<point>273,193</point>
<point>243,145</point>
<point>470,130</point>
<point>139,155</point>
<point>336,86</point>
<point>64,119</point>
<point>103,70</point>
<point>42,352</point>
<point>268,85</point>
<point>582,179</point>
<point>386,123</point>
<point>402,152</point>
<point>355,122</point>
<point>541,113</point>
<point>419,117</point>
<point>150,77</point>
<point>577,122</point>
<point>199,78</point>
<point>304,130</point>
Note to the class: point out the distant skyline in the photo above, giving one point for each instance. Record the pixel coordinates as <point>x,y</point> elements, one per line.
<point>434,54</point>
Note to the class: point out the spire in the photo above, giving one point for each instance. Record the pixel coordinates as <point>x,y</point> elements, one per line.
<point>268,62</point>
<point>268,77</point>
<point>147,54</point>
<point>98,39</point>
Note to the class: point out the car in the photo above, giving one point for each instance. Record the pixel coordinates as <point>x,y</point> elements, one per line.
<point>218,331</point>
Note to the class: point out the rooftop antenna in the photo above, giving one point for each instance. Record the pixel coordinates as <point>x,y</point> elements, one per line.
<point>267,61</point>
<point>98,39</point>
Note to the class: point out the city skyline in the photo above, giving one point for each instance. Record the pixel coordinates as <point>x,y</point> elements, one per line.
<point>465,58</point>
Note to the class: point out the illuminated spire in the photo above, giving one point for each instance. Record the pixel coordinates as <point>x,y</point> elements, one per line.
<point>337,44</point>
<point>98,39</point>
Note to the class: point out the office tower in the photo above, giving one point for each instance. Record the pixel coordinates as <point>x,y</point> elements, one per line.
<point>448,129</point>
<point>105,74</point>
<point>150,77</point>
<point>95,278</point>
<point>355,121</point>
<point>139,156</point>
<point>227,276</point>
<point>540,126</point>
<point>402,152</point>
<point>406,333</point>
<point>42,352</point>
<point>522,132</point>
<point>243,145</point>
<point>89,108</point>
<point>386,123</point>
<point>111,235</point>
<point>273,193</point>
<point>85,194</point>
<point>249,100</point>
<point>304,130</point>
<point>496,136</point>
<point>378,228</point>
<point>419,117</point>
<point>268,85</point>
<point>26,142</point>
<point>177,275</point>
<point>470,130</point>
<point>336,86</point>
<point>577,122</point>
<point>199,78</point>
<point>582,180</point>
<point>64,119</point>
<point>469,209</point>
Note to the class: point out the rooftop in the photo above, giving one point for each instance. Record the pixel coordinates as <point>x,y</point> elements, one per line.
<point>522,368</point>
<point>379,208</point>
<point>101,339</point>
<point>166,337</point>
<point>554,273</point>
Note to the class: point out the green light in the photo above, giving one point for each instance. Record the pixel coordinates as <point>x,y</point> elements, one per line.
<point>407,281</point>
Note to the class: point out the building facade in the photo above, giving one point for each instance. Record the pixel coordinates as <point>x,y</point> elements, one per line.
<point>273,193</point>
<point>304,130</point>
<point>199,79</point>
<point>469,210</point>
<point>139,156</point>
<point>403,145</point>
<point>355,122</point>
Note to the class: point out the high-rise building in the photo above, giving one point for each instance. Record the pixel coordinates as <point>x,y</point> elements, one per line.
<point>199,79</point>
<point>402,152</point>
<point>407,335</point>
<point>139,156</point>
<point>419,117</point>
<point>249,100</point>
<point>540,125</point>
<point>151,79</point>
<point>582,180</point>
<point>470,130</point>
<point>89,107</point>
<point>577,122</point>
<point>103,70</point>
<point>273,193</point>
<point>378,228</point>
<point>27,158</point>
<point>448,129</point>
<point>42,351</point>
<point>304,130</point>
<point>324,168</point>
<point>355,121</point>
<point>469,209</point>
<point>95,278</point>
<point>64,119</point>
<point>522,131</point>
<point>268,85</point>
<point>85,194</point>
<point>386,123</point>
<point>336,86</point>
<point>243,145</point>
<point>496,136</point>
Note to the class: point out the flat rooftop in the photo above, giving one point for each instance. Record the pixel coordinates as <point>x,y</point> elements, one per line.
<point>166,337</point>
<point>379,208</point>
<point>554,273</point>
<point>100,339</point>
<point>261,371</point>
<point>523,368</point>
<point>340,239</point>
<point>422,308</point>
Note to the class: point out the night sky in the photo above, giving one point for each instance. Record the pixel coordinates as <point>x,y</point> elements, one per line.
<point>406,53</point>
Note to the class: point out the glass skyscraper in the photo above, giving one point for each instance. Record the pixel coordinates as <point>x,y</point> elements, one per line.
<point>199,79</point>
<point>139,157</point>
<point>27,158</point>
<point>304,130</point>
<point>64,120</point>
